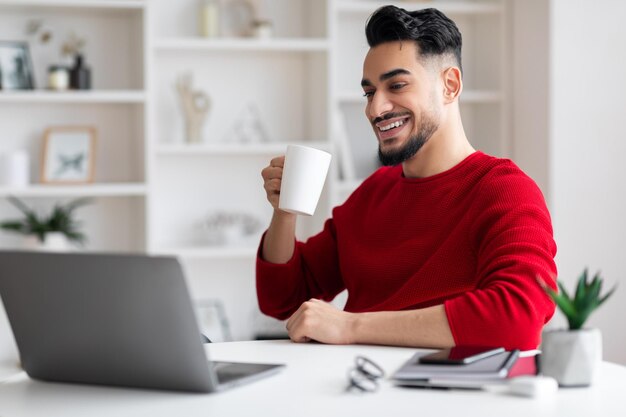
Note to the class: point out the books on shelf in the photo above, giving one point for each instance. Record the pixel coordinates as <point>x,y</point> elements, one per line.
<point>495,369</point>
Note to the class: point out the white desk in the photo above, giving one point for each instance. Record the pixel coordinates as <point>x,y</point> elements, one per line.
<point>313,384</point>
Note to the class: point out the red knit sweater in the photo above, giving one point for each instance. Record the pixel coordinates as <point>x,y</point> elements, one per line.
<point>474,238</point>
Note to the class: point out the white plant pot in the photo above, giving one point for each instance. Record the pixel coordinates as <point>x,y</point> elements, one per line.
<point>571,356</point>
<point>54,242</point>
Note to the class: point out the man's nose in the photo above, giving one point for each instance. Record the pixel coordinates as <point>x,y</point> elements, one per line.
<point>379,105</point>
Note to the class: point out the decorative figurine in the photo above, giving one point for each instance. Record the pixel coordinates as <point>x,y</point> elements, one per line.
<point>195,106</point>
<point>248,127</point>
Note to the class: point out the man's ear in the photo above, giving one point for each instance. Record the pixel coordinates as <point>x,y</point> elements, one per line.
<point>452,84</point>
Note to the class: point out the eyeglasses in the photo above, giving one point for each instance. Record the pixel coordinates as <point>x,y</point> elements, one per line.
<point>365,375</point>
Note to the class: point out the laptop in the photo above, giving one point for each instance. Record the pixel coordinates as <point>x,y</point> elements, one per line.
<point>108,319</point>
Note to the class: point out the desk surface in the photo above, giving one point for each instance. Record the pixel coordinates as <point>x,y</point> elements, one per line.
<point>312,384</point>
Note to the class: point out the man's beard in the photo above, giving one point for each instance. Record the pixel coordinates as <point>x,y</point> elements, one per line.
<point>412,146</point>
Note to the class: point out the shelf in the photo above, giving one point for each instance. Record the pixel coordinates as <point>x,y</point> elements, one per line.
<point>83,190</point>
<point>467,97</point>
<point>70,97</point>
<point>209,252</point>
<point>445,7</point>
<point>77,4</point>
<point>234,44</point>
<point>232,149</point>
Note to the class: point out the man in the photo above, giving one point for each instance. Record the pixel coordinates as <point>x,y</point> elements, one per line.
<point>441,247</point>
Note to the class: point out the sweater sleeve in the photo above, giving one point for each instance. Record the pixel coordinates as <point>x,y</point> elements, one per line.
<point>312,272</point>
<point>515,246</point>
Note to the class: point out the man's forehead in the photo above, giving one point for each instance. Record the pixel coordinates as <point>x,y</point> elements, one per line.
<point>389,56</point>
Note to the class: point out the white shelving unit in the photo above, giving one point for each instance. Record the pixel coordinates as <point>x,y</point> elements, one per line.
<point>81,5</point>
<point>236,45</point>
<point>115,34</point>
<point>448,7</point>
<point>210,253</point>
<point>230,149</point>
<point>95,190</point>
<point>73,97</point>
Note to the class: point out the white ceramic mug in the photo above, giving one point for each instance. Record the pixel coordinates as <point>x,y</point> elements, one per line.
<point>303,179</point>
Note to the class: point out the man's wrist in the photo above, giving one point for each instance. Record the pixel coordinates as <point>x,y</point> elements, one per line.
<point>355,327</point>
<point>284,216</point>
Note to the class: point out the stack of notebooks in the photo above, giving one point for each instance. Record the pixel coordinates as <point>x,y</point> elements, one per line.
<point>496,369</point>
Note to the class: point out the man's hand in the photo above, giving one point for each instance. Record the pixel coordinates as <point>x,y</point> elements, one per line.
<point>322,322</point>
<point>272,177</point>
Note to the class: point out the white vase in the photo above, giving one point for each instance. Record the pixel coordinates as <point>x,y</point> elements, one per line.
<point>571,356</point>
<point>54,242</point>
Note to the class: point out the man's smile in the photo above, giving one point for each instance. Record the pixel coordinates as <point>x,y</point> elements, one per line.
<point>387,129</point>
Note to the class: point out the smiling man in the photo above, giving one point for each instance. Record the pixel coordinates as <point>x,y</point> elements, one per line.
<point>440,247</point>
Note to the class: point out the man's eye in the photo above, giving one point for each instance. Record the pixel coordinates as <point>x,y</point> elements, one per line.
<point>397,86</point>
<point>368,94</point>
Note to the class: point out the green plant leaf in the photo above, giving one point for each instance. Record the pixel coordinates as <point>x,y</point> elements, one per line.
<point>581,288</point>
<point>565,304</point>
<point>591,294</point>
<point>21,206</point>
<point>606,296</point>
<point>563,290</point>
<point>60,220</point>
<point>586,299</point>
<point>13,226</point>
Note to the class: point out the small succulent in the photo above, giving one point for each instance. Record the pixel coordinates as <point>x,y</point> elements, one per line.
<point>586,299</point>
<point>60,220</point>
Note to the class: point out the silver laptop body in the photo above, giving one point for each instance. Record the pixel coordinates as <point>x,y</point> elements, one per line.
<point>123,320</point>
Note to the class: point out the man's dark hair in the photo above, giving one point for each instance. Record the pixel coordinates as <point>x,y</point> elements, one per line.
<point>433,31</point>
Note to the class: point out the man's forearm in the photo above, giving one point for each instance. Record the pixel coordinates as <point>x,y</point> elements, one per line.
<point>427,327</point>
<point>279,242</point>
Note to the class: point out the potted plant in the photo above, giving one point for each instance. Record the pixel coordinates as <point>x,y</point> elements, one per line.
<point>53,232</point>
<point>572,356</point>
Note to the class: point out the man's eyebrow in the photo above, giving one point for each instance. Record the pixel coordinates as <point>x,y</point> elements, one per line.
<point>389,74</point>
<point>393,73</point>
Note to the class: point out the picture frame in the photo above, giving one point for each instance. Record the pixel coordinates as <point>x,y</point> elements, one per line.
<point>16,68</point>
<point>69,154</point>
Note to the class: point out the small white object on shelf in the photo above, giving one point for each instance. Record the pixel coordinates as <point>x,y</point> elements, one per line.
<point>14,169</point>
<point>248,127</point>
<point>209,18</point>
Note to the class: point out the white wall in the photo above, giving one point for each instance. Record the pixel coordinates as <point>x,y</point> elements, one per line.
<point>588,146</point>
<point>569,114</point>
<point>530,118</point>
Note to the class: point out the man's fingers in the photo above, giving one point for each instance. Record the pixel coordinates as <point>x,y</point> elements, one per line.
<point>272,185</point>
<point>279,161</point>
<point>270,173</point>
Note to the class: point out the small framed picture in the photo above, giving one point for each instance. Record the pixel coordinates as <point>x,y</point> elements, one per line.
<point>16,69</point>
<point>69,154</point>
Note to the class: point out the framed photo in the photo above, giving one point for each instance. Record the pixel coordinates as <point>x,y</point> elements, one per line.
<point>16,69</point>
<point>69,155</point>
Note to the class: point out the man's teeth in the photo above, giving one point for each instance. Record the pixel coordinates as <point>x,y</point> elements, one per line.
<point>391,125</point>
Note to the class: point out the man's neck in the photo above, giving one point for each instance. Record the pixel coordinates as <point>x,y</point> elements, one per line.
<point>446,148</point>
